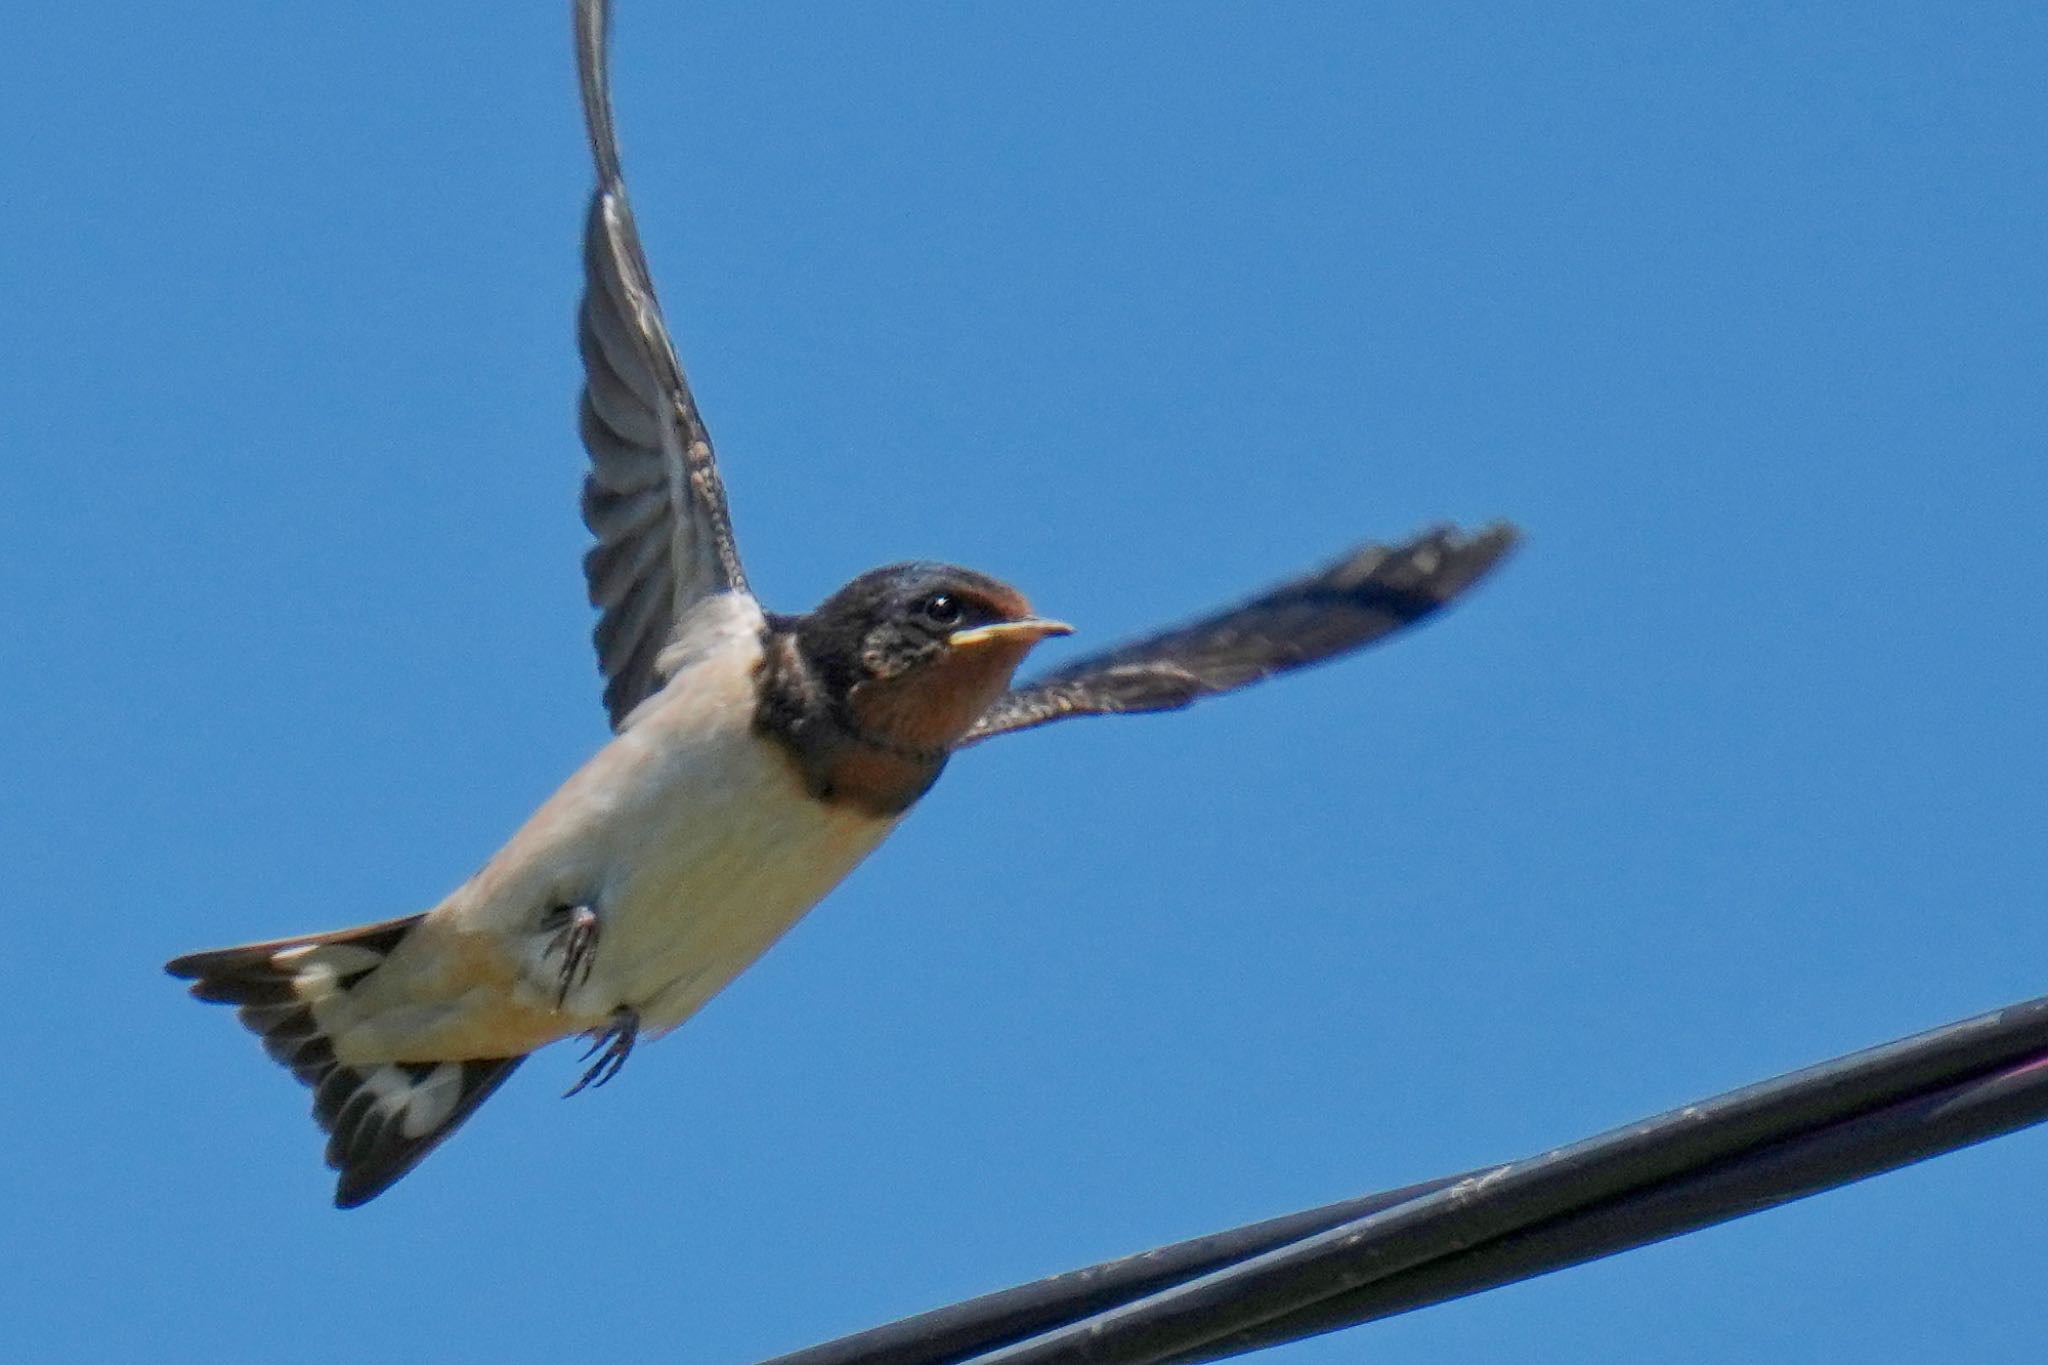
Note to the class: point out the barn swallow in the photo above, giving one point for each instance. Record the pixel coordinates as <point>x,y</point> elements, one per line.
<point>756,758</point>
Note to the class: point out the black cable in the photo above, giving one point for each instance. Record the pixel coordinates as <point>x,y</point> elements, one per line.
<point>1388,1253</point>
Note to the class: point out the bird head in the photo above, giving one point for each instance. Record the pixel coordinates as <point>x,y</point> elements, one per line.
<point>918,651</point>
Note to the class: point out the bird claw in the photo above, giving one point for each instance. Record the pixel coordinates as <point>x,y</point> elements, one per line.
<point>611,1046</point>
<point>576,941</point>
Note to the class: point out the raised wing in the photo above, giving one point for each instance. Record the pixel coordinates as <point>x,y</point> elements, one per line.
<point>1371,592</point>
<point>652,497</point>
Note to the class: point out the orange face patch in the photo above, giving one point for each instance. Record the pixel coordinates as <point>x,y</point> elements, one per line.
<point>933,705</point>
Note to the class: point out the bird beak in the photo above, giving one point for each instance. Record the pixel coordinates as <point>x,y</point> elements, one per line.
<point>1030,630</point>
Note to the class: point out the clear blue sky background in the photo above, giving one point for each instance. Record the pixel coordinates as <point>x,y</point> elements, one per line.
<point>1739,309</point>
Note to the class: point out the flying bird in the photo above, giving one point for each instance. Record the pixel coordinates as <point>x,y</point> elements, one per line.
<point>756,757</point>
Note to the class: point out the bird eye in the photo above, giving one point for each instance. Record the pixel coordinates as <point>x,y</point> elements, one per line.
<point>941,609</point>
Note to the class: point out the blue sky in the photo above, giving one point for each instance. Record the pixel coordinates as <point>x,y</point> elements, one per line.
<point>1737,309</point>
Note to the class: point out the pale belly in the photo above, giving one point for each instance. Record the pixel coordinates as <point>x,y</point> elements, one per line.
<point>692,839</point>
<point>716,882</point>
<point>689,835</point>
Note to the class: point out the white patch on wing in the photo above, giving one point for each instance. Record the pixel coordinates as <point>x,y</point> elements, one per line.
<point>317,968</point>
<point>419,1106</point>
<point>341,958</point>
<point>432,1100</point>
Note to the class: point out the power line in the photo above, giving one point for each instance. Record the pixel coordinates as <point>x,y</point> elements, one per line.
<point>1383,1254</point>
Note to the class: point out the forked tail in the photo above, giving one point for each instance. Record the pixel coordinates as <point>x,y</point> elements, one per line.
<point>381,1118</point>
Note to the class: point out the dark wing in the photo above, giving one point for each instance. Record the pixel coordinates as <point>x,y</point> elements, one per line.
<point>652,497</point>
<point>1373,591</point>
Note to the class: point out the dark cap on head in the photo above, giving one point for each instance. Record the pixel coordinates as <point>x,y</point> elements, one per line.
<point>871,691</point>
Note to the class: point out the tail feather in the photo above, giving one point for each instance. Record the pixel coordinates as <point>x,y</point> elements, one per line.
<point>381,1119</point>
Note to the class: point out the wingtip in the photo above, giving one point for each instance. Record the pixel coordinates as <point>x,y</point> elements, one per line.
<point>1499,534</point>
<point>352,1195</point>
<point>1435,566</point>
<point>1492,543</point>
<point>592,22</point>
<point>1499,531</point>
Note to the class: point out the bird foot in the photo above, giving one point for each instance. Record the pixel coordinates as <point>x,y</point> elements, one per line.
<point>611,1045</point>
<point>576,941</point>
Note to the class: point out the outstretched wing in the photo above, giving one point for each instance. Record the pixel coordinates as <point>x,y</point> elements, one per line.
<point>1370,593</point>
<point>652,497</point>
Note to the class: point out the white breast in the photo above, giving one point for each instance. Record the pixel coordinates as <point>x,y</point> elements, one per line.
<point>692,832</point>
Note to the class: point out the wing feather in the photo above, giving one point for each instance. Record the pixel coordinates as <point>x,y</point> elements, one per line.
<point>1369,594</point>
<point>617,570</point>
<point>652,497</point>
<point>614,516</point>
